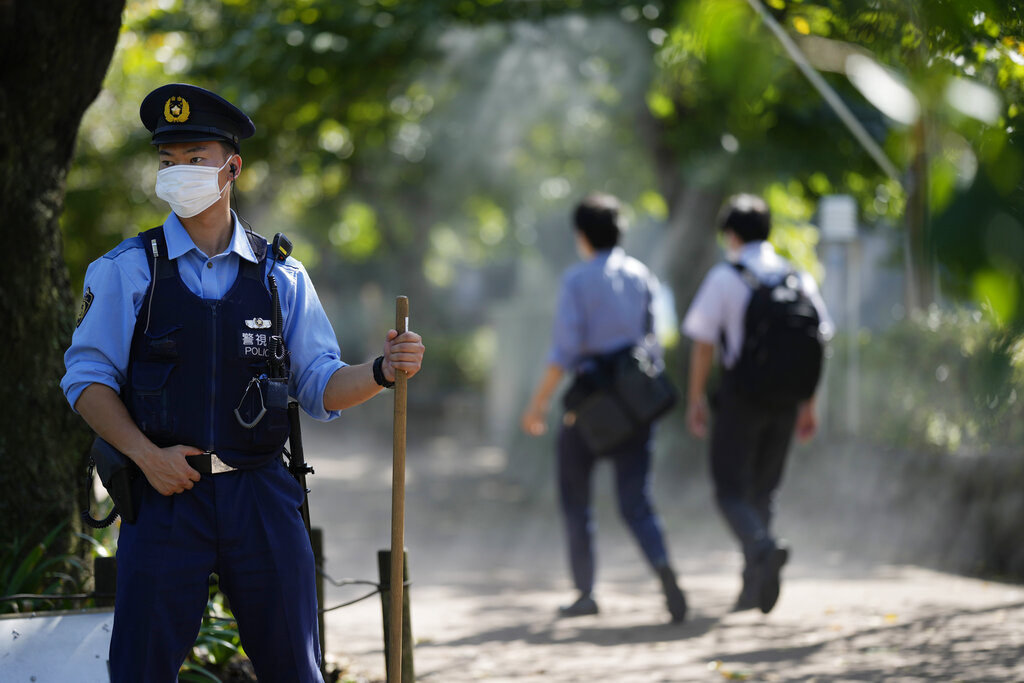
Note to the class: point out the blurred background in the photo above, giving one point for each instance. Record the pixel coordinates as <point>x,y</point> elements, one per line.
<point>436,149</point>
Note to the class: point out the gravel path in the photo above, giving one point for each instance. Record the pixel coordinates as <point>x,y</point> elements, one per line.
<point>488,571</point>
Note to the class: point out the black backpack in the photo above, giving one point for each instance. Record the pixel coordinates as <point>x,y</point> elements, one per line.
<point>781,358</point>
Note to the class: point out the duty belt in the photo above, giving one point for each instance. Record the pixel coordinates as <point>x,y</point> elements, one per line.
<point>209,463</point>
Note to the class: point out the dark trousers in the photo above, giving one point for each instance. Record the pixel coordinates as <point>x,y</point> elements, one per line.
<point>749,443</point>
<point>632,464</point>
<point>245,527</point>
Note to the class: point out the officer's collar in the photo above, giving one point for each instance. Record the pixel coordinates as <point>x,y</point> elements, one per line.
<point>179,242</point>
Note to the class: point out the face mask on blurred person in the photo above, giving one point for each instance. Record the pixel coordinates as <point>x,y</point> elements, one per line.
<point>189,189</point>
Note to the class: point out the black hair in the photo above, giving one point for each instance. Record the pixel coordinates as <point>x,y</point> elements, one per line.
<point>748,216</point>
<point>597,218</point>
<point>229,149</point>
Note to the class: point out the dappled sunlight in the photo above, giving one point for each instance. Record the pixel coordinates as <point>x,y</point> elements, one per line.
<point>436,149</point>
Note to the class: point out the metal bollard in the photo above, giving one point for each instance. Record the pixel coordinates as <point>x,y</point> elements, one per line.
<point>384,571</point>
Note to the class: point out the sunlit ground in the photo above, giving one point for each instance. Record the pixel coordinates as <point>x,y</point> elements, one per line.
<point>861,600</point>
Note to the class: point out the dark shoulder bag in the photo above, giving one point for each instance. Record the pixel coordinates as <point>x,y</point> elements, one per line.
<point>626,393</point>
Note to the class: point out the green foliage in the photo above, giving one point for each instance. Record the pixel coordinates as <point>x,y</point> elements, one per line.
<point>946,382</point>
<point>741,115</point>
<point>411,144</point>
<point>27,567</point>
<point>218,642</point>
<point>980,239</point>
<point>792,233</point>
<point>399,143</point>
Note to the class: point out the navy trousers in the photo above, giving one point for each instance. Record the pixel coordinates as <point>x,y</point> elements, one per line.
<point>246,527</point>
<point>749,443</point>
<point>632,464</point>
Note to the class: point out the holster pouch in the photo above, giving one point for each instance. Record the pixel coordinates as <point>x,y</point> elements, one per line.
<point>117,474</point>
<point>277,392</point>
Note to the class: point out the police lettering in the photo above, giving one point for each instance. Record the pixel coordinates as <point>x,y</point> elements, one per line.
<point>253,345</point>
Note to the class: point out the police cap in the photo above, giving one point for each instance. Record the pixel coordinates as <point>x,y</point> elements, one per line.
<point>179,112</point>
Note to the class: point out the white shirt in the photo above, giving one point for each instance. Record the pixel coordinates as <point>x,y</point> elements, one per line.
<point>721,301</point>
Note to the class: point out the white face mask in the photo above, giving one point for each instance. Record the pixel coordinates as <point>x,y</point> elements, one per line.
<point>188,188</point>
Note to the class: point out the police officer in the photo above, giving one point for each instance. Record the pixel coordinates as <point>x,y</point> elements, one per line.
<point>749,439</point>
<point>169,365</point>
<point>604,307</point>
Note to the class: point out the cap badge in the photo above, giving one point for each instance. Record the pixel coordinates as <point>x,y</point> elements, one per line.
<point>257,324</point>
<point>176,109</point>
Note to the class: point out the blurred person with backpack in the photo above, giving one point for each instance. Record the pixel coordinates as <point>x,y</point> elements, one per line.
<point>769,325</point>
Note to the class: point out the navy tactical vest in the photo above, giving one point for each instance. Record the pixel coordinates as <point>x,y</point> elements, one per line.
<point>193,362</point>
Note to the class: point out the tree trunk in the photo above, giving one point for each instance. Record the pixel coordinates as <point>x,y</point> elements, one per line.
<point>53,57</point>
<point>691,243</point>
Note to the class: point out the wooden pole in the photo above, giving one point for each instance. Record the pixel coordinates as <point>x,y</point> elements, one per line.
<point>384,574</point>
<point>398,507</point>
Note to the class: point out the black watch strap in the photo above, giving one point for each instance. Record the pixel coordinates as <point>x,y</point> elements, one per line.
<point>378,373</point>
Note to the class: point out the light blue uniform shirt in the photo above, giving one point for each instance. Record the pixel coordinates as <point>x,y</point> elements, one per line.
<point>604,305</point>
<point>118,282</point>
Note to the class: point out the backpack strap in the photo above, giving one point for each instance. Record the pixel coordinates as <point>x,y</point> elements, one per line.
<point>746,274</point>
<point>753,281</point>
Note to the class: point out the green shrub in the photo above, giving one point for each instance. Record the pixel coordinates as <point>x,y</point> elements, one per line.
<point>218,642</point>
<point>28,568</point>
<point>940,381</point>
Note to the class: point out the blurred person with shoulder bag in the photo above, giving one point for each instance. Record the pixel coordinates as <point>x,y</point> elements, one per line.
<point>604,312</point>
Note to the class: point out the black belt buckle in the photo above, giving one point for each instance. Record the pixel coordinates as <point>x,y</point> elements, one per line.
<point>209,463</point>
<point>200,463</point>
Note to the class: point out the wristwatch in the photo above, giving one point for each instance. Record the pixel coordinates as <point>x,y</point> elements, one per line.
<point>378,373</point>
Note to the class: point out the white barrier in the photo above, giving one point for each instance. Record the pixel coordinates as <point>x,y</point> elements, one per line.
<point>55,647</point>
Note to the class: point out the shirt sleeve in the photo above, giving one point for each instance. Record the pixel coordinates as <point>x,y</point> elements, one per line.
<point>310,338</point>
<point>115,287</point>
<point>704,319</point>
<point>653,290</point>
<point>567,329</point>
<point>825,325</point>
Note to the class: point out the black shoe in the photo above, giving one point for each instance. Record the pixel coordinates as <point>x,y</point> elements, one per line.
<point>675,600</point>
<point>769,569</point>
<point>582,607</point>
<point>747,599</point>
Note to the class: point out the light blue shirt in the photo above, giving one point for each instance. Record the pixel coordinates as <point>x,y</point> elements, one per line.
<point>604,305</point>
<point>118,282</point>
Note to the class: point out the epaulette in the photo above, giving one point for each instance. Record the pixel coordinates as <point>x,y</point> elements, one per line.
<point>133,242</point>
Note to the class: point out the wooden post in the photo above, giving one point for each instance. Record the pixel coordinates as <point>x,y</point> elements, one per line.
<point>105,571</point>
<point>384,570</point>
<point>394,669</point>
